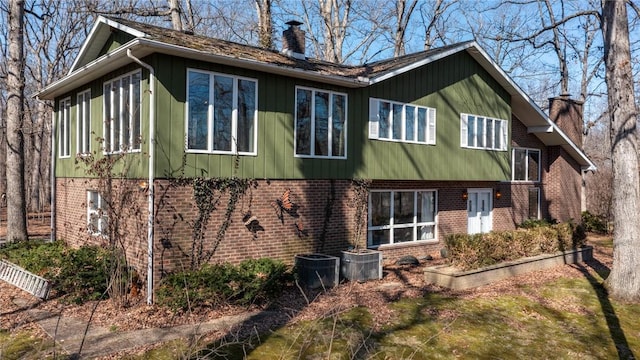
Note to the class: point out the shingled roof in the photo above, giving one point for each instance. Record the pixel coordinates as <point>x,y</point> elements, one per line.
<point>247,52</point>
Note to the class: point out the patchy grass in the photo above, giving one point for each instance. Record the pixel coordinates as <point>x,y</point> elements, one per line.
<point>24,345</point>
<point>569,318</point>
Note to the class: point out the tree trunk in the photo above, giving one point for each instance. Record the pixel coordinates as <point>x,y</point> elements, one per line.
<point>176,20</point>
<point>16,207</point>
<point>624,280</point>
<point>265,23</point>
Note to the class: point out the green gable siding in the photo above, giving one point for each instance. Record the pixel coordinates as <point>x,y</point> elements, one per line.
<point>115,40</point>
<point>452,86</point>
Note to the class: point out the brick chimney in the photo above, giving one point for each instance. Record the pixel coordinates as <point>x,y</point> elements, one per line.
<point>293,40</point>
<point>567,114</point>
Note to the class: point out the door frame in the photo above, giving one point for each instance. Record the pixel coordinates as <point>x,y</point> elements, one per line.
<point>489,217</point>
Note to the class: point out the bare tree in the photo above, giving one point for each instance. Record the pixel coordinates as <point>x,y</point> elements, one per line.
<point>434,19</point>
<point>16,204</point>
<point>624,280</point>
<point>403,15</point>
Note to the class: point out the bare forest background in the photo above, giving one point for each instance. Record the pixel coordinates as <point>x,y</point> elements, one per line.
<point>548,47</point>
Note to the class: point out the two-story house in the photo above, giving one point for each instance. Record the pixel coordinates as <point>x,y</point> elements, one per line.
<point>390,155</point>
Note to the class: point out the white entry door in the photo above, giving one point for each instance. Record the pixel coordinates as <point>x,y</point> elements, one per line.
<point>479,207</point>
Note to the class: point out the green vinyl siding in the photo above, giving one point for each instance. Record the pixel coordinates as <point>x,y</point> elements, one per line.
<point>452,86</point>
<point>116,39</point>
<point>133,165</point>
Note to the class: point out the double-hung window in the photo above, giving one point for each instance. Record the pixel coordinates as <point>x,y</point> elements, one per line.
<point>481,132</point>
<point>84,122</point>
<point>321,124</point>
<point>395,121</point>
<point>64,122</point>
<point>221,113</point>
<point>400,216</point>
<point>122,113</point>
<point>96,215</point>
<point>526,164</point>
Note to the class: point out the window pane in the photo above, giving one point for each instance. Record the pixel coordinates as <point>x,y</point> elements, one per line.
<point>409,122</point>
<point>338,136</point>
<point>127,113</point>
<point>107,115</point>
<point>519,164</point>
<point>471,131</point>
<point>86,123</point>
<point>136,103</point>
<point>401,235</point>
<point>426,206</point>
<point>379,237</point>
<point>498,134</point>
<point>246,114</point>
<point>533,165</point>
<point>380,208</point>
<point>427,232</point>
<point>117,117</point>
<point>222,112</point>
<point>480,132</point>
<point>403,207</point>
<point>198,110</point>
<point>303,122</point>
<point>321,123</point>
<point>422,125</point>
<point>397,121</point>
<point>534,205</point>
<point>384,114</point>
<point>489,133</point>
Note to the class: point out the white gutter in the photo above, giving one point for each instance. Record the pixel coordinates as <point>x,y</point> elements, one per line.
<point>151,198</point>
<point>53,175</point>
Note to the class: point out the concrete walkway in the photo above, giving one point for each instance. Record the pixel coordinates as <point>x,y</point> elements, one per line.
<point>69,332</point>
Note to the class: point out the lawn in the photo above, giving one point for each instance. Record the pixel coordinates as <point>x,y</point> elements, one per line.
<point>565,316</point>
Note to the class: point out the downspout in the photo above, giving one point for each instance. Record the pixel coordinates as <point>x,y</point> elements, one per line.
<point>53,176</point>
<point>151,198</point>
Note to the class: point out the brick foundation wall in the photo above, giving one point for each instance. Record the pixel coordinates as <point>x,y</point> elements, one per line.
<point>71,217</point>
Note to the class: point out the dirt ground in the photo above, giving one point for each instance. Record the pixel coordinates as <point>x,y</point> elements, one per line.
<point>295,304</point>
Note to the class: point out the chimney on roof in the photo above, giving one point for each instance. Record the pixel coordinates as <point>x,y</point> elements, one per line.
<point>567,114</point>
<point>293,40</point>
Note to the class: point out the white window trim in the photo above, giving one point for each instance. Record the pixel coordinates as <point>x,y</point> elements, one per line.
<point>526,157</point>
<point>83,123</point>
<point>64,116</point>
<point>374,120</point>
<point>107,117</point>
<point>464,132</point>
<point>97,212</point>
<point>313,124</point>
<point>415,224</point>
<point>234,117</point>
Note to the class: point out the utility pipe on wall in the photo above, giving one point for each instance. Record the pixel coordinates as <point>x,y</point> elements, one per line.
<point>151,200</point>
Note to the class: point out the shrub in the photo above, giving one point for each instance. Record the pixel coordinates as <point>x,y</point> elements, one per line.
<point>475,251</point>
<point>594,223</point>
<point>213,285</point>
<point>80,274</point>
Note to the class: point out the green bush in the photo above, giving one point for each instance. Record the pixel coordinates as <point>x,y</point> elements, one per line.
<point>479,250</point>
<point>594,223</point>
<point>81,274</point>
<point>214,285</point>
